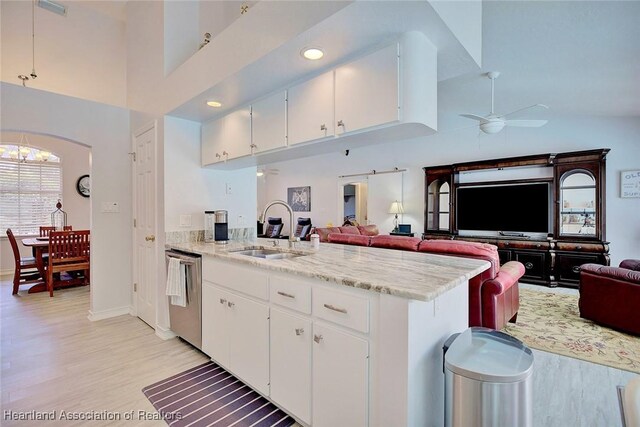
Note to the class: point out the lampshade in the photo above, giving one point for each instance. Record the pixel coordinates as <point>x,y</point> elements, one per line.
<point>396,208</point>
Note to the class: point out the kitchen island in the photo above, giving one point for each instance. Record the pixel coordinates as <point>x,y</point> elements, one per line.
<point>336,336</point>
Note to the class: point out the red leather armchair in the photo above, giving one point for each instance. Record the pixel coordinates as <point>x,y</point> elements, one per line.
<point>494,297</point>
<point>610,296</point>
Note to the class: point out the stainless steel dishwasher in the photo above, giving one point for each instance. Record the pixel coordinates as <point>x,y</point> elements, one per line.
<point>186,322</point>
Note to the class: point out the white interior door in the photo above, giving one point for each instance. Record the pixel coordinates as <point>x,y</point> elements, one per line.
<point>145,257</point>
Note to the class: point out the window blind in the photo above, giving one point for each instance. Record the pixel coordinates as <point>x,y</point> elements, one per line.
<point>29,192</point>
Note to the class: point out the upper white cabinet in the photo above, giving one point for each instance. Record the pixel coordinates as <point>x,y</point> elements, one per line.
<point>367,92</point>
<point>311,109</point>
<point>227,138</point>
<point>268,123</point>
<point>390,94</point>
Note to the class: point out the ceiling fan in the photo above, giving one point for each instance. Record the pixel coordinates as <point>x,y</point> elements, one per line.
<point>494,123</point>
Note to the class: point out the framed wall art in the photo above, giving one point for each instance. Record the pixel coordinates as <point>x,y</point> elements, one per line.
<point>299,198</point>
<point>630,184</point>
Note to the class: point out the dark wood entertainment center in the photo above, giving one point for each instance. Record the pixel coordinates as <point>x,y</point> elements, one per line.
<point>576,232</point>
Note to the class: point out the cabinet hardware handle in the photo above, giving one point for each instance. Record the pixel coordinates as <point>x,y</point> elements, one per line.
<point>578,247</point>
<point>231,304</point>
<point>299,331</point>
<point>538,245</point>
<point>334,308</point>
<point>223,301</point>
<point>323,127</point>
<point>340,123</point>
<point>218,156</point>
<point>528,265</point>
<point>317,338</point>
<point>151,238</point>
<point>253,146</point>
<point>284,294</point>
<point>576,269</point>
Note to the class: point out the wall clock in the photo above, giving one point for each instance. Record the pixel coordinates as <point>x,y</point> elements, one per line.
<point>83,186</point>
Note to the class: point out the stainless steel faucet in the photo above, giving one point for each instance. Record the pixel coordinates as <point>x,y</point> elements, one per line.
<point>292,238</point>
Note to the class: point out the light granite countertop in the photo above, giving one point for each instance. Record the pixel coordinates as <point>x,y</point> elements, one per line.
<point>413,275</point>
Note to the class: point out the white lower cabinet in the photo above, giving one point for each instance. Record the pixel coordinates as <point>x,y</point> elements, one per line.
<point>310,359</point>
<point>291,363</point>
<point>249,342</point>
<point>215,333</point>
<point>235,333</point>
<point>340,378</point>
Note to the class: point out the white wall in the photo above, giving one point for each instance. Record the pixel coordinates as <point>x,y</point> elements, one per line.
<point>190,189</point>
<point>106,130</point>
<point>80,55</point>
<point>75,163</point>
<point>559,135</point>
<point>181,33</point>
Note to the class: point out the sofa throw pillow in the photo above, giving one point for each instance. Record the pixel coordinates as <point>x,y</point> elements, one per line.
<point>273,230</point>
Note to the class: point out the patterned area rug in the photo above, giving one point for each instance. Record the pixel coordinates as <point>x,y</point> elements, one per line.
<point>207,395</point>
<point>551,322</point>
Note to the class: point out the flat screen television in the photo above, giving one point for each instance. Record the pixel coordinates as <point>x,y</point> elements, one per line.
<point>518,208</point>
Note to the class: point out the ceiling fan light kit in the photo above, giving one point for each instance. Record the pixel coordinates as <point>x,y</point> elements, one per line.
<point>494,123</point>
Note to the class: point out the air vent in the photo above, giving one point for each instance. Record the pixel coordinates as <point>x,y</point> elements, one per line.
<point>52,6</point>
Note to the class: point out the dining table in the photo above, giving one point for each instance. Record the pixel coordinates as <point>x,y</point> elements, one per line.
<point>40,247</point>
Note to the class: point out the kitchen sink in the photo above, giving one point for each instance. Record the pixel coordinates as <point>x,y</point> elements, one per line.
<point>267,253</point>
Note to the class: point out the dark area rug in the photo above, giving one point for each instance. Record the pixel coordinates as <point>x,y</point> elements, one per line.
<point>207,395</point>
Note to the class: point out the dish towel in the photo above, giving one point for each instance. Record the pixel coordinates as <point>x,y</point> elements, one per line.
<point>176,283</point>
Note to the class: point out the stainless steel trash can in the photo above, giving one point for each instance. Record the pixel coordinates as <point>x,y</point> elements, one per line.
<point>487,380</point>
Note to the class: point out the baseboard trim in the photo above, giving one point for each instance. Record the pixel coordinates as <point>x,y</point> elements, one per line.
<point>8,272</point>
<point>164,333</point>
<point>106,314</point>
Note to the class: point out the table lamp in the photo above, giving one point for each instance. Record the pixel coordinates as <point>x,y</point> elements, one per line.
<point>396,208</point>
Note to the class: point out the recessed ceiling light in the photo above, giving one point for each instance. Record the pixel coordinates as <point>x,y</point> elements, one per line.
<point>260,172</point>
<point>214,104</point>
<point>312,53</point>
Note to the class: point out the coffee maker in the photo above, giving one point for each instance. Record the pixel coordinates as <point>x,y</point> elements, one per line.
<point>221,227</point>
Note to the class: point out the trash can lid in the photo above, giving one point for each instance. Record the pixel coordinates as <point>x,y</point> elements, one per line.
<point>486,355</point>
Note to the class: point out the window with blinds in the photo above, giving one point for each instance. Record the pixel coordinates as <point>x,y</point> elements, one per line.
<point>29,188</point>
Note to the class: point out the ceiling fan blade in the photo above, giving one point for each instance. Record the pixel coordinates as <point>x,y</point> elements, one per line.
<point>526,108</point>
<point>526,123</point>
<point>474,117</point>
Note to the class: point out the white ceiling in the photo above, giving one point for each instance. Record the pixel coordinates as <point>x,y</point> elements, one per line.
<point>350,31</point>
<point>577,57</point>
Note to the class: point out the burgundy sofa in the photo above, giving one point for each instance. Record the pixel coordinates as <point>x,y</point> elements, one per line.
<point>494,296</point>
<point>611,295</point>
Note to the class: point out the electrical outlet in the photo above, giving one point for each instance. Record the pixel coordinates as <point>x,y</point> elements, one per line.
<point>185,220</point>
<point>228,188</point>
<point>109,207</point>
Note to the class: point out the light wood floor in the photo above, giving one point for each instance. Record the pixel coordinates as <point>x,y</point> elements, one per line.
<point>54,358</point>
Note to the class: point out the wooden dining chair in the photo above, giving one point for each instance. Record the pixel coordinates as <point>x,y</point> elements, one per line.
<point>68,251</point>
<point>26,271</point>
<point>46,230</point>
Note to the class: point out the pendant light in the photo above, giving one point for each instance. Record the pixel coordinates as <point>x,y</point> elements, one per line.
<point>33,74</point>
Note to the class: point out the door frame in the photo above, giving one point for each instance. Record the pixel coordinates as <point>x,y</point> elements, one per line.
<point>134,135</point>
<point>340,208</point>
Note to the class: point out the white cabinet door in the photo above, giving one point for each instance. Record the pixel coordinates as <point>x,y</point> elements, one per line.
<point>249,342</point>
<point>269,123</point>
<point>236,134</point>
<point>310,110</point>
<point>291,363</point>
<point>367,91</point>
<point>340,378</point>
<point>211,142</point>
<point>215,323</point>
